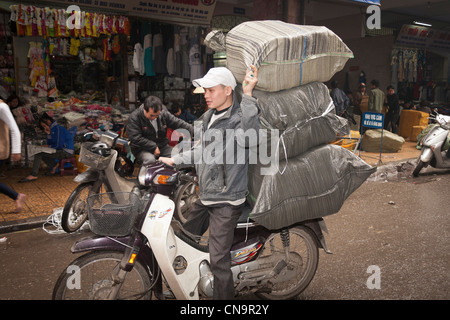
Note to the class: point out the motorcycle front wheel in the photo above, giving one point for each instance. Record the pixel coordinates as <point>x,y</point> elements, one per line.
<point>185,197</point>
<point>419,167</point>
<point>75,211</point>
<point>91,277</point>
<point>302,262</point>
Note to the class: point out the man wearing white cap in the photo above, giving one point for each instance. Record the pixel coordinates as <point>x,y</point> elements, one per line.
<point>222,175</point>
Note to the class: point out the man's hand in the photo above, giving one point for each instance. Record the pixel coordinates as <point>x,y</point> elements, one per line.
<point>250,80</point>
<point>16,156</point>
<point>157,152</point>
<point>168,161</point>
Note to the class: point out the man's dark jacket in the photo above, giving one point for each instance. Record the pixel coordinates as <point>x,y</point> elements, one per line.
<point>142,134</point>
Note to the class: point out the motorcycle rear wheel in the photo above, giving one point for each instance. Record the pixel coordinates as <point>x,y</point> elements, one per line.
<point>304,259</point>
<point>90,277</point>
<point>75,211</point>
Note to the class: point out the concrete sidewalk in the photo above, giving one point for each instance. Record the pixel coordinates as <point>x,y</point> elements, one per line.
<point>51,192</point>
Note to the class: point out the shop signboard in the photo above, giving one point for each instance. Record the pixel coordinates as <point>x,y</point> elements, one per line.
<point>184,11</point>
<point>377,2</point>
<point>423,37</point>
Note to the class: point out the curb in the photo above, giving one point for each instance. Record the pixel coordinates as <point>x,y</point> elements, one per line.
<point>21,225</point>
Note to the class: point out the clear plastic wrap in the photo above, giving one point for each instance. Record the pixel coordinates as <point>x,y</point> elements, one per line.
<point>287,55</point>
<point>304,117</point>
<point>314,184</point>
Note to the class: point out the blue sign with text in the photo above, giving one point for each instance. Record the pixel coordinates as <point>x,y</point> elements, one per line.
<point>373,120</point>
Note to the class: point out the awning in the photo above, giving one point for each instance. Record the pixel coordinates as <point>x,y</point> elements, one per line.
<point>377,2</point>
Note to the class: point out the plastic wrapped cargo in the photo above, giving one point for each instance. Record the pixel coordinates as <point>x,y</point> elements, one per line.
<point>314,184</point>
<point>386,141</point>
<point>287,55</point>
<point>304,116</point>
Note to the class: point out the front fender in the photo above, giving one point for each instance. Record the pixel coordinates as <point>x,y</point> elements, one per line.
<point>87,176</point>
<point>426,155</point>
<point>100,243</point>
<point>122,244</point>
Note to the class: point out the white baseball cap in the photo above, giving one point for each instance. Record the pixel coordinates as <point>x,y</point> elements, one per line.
<point>216,76</point>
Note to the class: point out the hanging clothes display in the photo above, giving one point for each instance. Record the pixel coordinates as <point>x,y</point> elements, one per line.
<point>407,65</point>
<point>35,21</point>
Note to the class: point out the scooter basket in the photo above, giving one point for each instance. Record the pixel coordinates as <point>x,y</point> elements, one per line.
<point>93,160</point>
<point>113,213</point>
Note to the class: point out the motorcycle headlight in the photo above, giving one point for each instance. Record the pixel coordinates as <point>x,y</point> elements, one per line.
<point>165,179</point>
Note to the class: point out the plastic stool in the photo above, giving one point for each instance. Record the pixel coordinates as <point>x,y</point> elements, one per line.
<point>70,170</point>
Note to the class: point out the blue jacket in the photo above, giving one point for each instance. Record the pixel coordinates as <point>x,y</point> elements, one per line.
<point>60,138</point>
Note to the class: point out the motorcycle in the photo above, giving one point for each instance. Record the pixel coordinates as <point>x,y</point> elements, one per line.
<point>433,145</point>
<point>139,246</point>
<point>109,170</point>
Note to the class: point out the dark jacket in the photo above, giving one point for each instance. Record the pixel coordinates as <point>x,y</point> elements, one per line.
<point>143,135</point>
<point>392,101</point>
<point>222,176</point>
<point>340,100</point>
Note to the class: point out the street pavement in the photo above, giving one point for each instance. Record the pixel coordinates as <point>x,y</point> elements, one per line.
<point>389,241</point>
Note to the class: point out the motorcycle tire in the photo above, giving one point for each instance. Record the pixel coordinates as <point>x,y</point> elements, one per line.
<point>90,277</point>
<point>184,198</point>
<point>75,212</point>
<point>419,167</point>
<point>304,259</point>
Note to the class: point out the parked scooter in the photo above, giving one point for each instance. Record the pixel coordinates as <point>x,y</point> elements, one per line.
<point>137,250</point>
<point>433,145</point>
<point>109,170</point>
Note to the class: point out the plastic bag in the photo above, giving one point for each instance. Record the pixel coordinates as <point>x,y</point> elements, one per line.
<point>314,184</point>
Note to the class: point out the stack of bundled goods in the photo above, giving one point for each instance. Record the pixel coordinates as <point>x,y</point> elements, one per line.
<point>312,178</point>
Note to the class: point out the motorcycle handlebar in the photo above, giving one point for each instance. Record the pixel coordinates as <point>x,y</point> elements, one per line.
<point>187,178</point>
<point>99,133</point>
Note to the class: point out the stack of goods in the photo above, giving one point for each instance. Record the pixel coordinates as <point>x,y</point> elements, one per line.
<point>314,177</point>
<point>286,55</point>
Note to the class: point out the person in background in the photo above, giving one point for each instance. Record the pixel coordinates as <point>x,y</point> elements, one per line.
<point>10,141</point>
<point>147,130</point>
<point>13,101</point>
<point>360,103</point>
<point>58,138</point>
<point>340,99</point>
<point>360,100</point>
<point>393,113</point>
<point>183,115</point>
<point>376,98</point>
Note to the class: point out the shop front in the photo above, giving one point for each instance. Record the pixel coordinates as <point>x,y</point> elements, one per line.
<point>420,66</point>
<point>89,66</point>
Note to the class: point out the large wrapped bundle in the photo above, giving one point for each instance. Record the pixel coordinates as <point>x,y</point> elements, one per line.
<point>386,141</point>
<point>287,55</point>
<point>304,116</point>
<point>314,184</point>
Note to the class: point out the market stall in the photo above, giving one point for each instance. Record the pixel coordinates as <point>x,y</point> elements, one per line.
<point>89,70</point>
